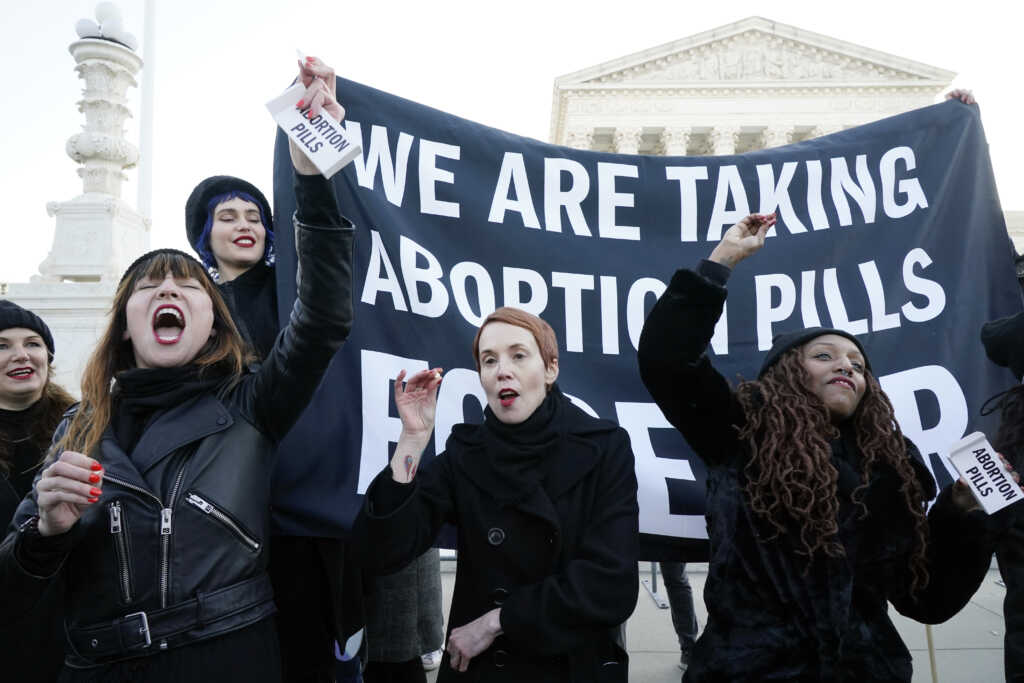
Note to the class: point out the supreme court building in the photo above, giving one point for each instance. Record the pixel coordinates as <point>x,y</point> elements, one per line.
<point>744,86</point>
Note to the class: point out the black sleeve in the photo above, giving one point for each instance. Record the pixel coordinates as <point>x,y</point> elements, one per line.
<point>674,365</point>
<point>399,522</point>
<point>960,551</point>
<point>321,318</point>
<point>315,203</point>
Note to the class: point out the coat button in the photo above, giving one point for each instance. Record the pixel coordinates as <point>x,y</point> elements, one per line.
<point>500,659</point>
<point>498,596</point>
<point>495,536</point>
<point>222,420</point>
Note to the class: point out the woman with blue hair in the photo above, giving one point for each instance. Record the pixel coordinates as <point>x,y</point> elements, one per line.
<point>227,220</point>
<point>318,594</point>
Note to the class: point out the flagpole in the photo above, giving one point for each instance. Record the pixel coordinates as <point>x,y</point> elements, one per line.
<point>931,652</point>
<point>145,190</point>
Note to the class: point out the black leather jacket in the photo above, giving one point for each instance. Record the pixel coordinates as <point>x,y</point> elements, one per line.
<point>188,515</point>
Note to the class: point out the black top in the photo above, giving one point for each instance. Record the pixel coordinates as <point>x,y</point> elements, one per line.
<point>23,454</point>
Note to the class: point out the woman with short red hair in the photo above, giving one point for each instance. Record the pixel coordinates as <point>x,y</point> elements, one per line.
<point>544,500</point>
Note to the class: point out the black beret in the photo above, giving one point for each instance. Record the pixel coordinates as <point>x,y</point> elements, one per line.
<point>197,211</point>
<point>788,340</point>
<point>1004,343</point>
<point>13,315</point>
<point>145,258</point>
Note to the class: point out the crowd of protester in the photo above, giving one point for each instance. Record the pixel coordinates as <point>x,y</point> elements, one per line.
<point>141,544</point>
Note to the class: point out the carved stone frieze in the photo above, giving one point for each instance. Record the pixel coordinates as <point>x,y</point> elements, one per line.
<point>756,55</point>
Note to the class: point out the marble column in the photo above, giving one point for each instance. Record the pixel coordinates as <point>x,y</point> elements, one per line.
<point>724,140</point>
<point>580,138</point>
<point>776,136</point>
<point>627,140</point>
<point>675,141</point>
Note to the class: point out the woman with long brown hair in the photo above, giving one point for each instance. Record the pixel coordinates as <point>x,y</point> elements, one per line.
<point>815,502</point>
<point>154,512</point>
<point>31,406</point>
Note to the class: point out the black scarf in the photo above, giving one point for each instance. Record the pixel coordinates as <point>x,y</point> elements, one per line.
<point>142,392</point>
<point>20,450</point>
<point>516,452</point>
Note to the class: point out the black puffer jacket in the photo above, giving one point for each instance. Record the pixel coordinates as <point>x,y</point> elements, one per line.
<point>184,520</point>
<point>768,620</point>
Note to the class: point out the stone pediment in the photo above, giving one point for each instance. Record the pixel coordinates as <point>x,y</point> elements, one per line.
<point>756,51</point>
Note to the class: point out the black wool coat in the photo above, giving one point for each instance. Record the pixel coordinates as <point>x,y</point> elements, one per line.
<point>32,646</point>
<point>770,617</point>
<point>561,564</point>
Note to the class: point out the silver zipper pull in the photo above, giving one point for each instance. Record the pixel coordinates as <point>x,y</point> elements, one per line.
<point>200,503</point>
<point>115,518</point>
<point>165,522</point>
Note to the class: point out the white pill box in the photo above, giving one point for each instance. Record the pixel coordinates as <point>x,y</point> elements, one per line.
<point>323,139</point>
<point>977,462</point>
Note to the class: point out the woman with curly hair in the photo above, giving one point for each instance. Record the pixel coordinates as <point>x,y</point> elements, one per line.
<point>815,500</point>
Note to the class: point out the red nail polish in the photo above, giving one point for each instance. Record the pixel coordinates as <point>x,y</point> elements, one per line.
<point>95,493</point>
<point>299,103</point>
<point>93,500</point>
<point>96,467</point>
<point>310,59</point>
<point>93,478</point>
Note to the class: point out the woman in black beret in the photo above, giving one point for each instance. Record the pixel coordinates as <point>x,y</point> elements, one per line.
<point>153,510</point>
<point>816,502</point>
<point>31,406</point>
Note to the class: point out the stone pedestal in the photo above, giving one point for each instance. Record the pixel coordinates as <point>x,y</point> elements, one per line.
<point>97,234</point>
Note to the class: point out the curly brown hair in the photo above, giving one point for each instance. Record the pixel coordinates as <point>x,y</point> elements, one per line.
<point>791,482</point>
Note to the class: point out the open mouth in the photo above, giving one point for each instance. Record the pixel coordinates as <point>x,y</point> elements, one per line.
<point>507,397</point>
<point>168,324</point>
<point>21,374</point>
<point>845,382</point>
<point>245,241</point>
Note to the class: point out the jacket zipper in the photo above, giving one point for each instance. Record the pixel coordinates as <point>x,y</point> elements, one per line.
<point>211,510</point>
<point>121,547</point>
<point>165,538</point>
<point>165,526</point>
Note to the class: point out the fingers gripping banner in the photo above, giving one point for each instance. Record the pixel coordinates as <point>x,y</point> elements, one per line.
<point>892,231</point>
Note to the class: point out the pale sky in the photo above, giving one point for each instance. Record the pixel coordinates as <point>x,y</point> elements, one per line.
<point>218,62</point>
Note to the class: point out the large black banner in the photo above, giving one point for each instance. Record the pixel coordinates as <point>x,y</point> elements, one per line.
<point>892,231</point>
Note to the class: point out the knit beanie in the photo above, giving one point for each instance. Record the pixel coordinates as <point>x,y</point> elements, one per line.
<point>13,315</point>
<point>1004,343</point>
<point>197,209</point>
<point>788,340</point>
<point>148,256</point>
